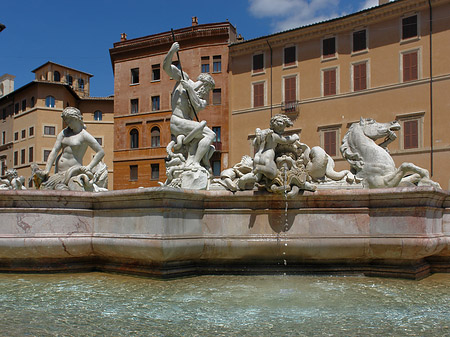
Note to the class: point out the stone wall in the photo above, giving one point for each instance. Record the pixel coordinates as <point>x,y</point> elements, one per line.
<point>402,232</point>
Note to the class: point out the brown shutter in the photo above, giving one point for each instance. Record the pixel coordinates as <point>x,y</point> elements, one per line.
<point>410,67</point>
<point>329,82</point>
<point>411,134</point>
<point>290,90</point>
<point>330,142</point>
<point>258,94</point>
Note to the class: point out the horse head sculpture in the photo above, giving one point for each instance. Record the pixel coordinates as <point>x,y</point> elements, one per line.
<point>372,162</point>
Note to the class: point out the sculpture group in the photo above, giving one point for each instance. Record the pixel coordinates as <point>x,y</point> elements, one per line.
<point>281,163</point>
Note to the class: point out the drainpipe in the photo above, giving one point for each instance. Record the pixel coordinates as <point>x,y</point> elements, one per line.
<point>431,88</point>
<point>270,47</point>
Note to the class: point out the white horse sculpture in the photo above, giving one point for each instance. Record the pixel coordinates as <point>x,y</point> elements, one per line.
<point>373,163</point>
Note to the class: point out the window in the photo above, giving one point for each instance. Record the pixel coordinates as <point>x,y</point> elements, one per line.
<point>290,89</point>
<point>16,158</point>
<point>56,76</point>
<point>16,136</point>
<point>50,101</point>
<point>216,167</point>
<point>289,56</point>
<point>24,104</point>
<point>258,63</point>
<point>31,131</point>
<point>133,172</point>
<point>155,103</point>
<point>411,134</point>
<point>3,137</point>
<point>156,72</point>
<point>359,40</point>
<point>22,156</point>
<point>329,142</point>
<point>155,137</point>
<point>217,130</point>
<point>49,130</point>
<point>98,115</point>
<point>99,140</point>
<point>46,154</point>
<point>32,102</point>
<point>329,82</point>
<point>134,139</point>
<point>69,79</point>
<point>155,171</point>
<point>258,94</point>
<point>217,64</point>
<point>329,47</point>
<point>410,69</point>
<point>3,166</point>
<point>409,27</point>
<point>134,106</point>
<point>16,108</point>
<point>135,76</point>
<point>205,64</point>
<point>23,134</point>
<point>81,83</point>
<point>217,96</point>
<point>30,154</point>
<point>359,76</point>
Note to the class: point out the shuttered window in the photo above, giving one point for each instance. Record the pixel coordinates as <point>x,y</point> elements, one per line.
<point>258,63</point>
<point>410,67</point>
<point>290,90</point>
<point>329,82</point>
<point>329,142</point>
<point>258,94</point>
<point>411,134</point>
<point>359,77</point>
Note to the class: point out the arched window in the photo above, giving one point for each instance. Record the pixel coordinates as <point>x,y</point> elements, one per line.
<point>69,80</point>
<point>32,101</point>
<point>81,83</point>
<point>56,76</point>
<point>98,116</point>
<point>50,101</point>
<point>155,137</point>
<point>134,139</point>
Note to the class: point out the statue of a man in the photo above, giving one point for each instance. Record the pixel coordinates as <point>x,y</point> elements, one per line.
<point>188,98</point>
<point>72,142</point>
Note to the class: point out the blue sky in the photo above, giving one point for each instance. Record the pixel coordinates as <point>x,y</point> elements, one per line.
<point>79,34</point>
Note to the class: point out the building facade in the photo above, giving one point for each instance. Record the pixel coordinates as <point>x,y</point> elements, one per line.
<point>142,93</point>
<point>31,118</point>
<point>389,63</point>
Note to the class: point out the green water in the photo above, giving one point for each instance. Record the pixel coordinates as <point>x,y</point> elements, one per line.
<point>100,304</point>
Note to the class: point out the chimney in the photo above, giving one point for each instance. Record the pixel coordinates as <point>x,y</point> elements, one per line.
<point>382,2</point>
<point>194,21</point>
<point>123,37</point>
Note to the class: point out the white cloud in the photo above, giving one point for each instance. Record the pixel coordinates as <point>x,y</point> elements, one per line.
<point>288,14</point>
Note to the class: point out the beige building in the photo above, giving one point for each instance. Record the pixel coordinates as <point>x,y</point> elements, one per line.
<point>389,63</point>
<point>31,118</point>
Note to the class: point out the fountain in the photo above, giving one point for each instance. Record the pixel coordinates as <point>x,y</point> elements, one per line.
<point>287,204</point>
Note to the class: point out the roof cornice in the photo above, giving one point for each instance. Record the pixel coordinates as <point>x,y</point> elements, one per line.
<point>333,26</point>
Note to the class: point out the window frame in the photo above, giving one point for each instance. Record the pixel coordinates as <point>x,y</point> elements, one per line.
<point>158,99</point>
<point>330,128</point>
<point>219,63</point>
<point>263,83</point>
<point>157,67</point>
<point>134,138</point>
<point>262,70</point>
<point>292,64</point>
<point>205,64</point>
<point>215,92</point>
<point>366,36</point>
<point>134,169</point>
<point>329,57</point>
<point>408,117</point>
<point>411,38</point>
<point>155,137</point>
<point>152,166</point>
<point>49,100</point>
<point>98,115</point>
<point>286,77</point>
<point>134,102</point>
<point>134,76</point>
<point>367,70</point>
<point>50,126</point>
<point>418,51</point>
<point>336,81</point>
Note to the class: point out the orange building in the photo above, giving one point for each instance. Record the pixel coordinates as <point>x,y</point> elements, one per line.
<point>389,63</point>
<point>31,117</point>
<point>142,92</point>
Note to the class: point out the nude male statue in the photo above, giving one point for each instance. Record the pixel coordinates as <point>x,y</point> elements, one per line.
<point>73,142</point>
<point>196,135</point>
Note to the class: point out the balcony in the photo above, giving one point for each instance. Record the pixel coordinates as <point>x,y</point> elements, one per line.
<point>291,109</point>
